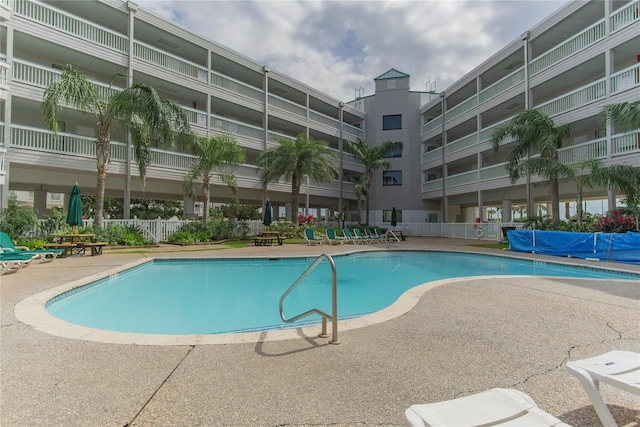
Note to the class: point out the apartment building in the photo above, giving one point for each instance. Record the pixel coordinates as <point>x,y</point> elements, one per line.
<point>221,91</point>
<point>583,57</point>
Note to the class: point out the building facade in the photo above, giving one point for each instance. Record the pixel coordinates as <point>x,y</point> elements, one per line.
<point>583,57</point>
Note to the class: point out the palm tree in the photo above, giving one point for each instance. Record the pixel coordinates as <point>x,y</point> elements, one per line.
<point>138,110</point>
<point>296,159</point>
<point>358,188</point>
<point>534,132</point>
<point>216,152</point>
<point>592,172</point>
<point>624,116</point>
<point>373,158</point>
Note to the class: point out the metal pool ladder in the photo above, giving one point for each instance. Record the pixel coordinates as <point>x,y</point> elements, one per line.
<point>334,301</point>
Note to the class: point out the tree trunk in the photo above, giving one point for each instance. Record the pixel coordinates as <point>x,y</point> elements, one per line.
<point>103,157</point>
<point>555,200</point>
<point>295,195</point>
<point>100,186</point>
<point>206,183</point>
<point>579,210</point>
<point>367,188</point>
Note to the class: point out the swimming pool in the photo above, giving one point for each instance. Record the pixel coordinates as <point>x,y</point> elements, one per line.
<point>213,296</point>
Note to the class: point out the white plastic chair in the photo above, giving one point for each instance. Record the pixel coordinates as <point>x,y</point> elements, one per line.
<point>495,407</point>
<point>619,369</point>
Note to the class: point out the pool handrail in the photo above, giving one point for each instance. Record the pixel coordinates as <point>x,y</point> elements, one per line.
<point>334,301</point>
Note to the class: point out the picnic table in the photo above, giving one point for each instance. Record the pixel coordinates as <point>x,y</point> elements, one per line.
<point>266,238</point>
<point>76,244</point>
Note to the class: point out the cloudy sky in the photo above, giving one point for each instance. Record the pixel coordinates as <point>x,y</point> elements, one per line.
<point>339,46</point>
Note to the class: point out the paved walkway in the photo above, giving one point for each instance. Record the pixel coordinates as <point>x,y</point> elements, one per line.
<point>459,339</point>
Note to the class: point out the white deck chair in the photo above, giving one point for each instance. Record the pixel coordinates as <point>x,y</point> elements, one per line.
<point>495,407</point>
<point>617,368</point>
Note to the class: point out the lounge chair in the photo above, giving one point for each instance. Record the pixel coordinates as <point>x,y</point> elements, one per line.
<point>494,407</point>
<point>7,267</point>
<point>358,234</point>
<point>380,235</point>
<point>310,237</point>
<point>350,237</point>
<point>619,369</point>
<point>371,236</point>
<point>44,255</point>
<point>16,257</point>
<point>332,237</point>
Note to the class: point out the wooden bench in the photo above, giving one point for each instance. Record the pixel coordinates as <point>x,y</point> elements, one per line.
<point>96,247</point>
<point>263,241</point>
<point>68,248</point>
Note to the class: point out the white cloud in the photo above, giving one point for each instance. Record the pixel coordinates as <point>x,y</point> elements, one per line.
<point>338,46</point>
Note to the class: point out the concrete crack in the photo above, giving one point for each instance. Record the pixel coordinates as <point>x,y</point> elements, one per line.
<point>137,414</point>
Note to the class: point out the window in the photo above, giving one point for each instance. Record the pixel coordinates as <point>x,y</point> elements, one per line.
<point>392,178</point>
<point>392,122</point>
<point>394,152</point>
<point>386,215</point>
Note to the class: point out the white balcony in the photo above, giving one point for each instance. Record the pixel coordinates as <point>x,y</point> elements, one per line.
<point>570,47</point>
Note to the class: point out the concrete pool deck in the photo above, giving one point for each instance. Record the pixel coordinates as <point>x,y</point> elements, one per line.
<point>460,338</point>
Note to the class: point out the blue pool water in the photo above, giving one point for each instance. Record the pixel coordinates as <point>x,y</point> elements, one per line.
<point>214,296</point>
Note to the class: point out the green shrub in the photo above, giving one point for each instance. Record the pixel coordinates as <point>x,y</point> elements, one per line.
<point>17,221</point>
<point>115,234</point>
<point>32,243</point>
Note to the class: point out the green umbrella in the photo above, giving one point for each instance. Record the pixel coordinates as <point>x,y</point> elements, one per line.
<point>268,216</point>
<point>394,217</point>
<point>74,214</point>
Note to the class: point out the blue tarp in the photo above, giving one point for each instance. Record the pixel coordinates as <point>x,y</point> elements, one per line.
<point>618,247</point>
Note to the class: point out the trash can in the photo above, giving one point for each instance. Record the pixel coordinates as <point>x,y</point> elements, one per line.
<point>504,231</point>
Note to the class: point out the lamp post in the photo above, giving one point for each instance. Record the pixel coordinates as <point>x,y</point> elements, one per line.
<point>445,206</point>
<point>341,150</point>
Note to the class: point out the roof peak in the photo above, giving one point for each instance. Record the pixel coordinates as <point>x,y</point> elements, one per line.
<point>392,74</point>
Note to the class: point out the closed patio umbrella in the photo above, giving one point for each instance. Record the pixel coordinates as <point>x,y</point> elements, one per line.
<point>74,213</point>
<point>394,217</point>
<point>268,216</point>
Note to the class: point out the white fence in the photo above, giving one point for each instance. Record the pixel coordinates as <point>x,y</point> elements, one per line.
<point>159,230</point>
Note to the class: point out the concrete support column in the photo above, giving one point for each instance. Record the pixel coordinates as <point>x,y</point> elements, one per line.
<point>287,211</point>
<point>506,210</point>
<point>133,8</point>
<point>480,206</point>
<point>40,203</point>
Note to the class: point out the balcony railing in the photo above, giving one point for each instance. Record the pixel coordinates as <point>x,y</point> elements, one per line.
<point>487,133</point>
<point>575,99</point>
<point>237,128</point>
<point>462,178</point>
<point>37,75</point>
<point>596,149</point>
<point>625,16</point>
<point>461,108</point>
<point>625,143</point>
<point>625,79</point>
<point>433,185</point>
<point>434,154</point>
<point>171,159</point>
<point>570,47</point>
<point>62,143</point>
<point>288,106</point>
<point>493,172</point>
<point>502,85</point>
<point>353,131</point>
<point>432,124</point>
<point>461,144</point>
<point>196,117</point>
<point>170,62</point>
<point>227,83</point>
<point>61,21</point>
